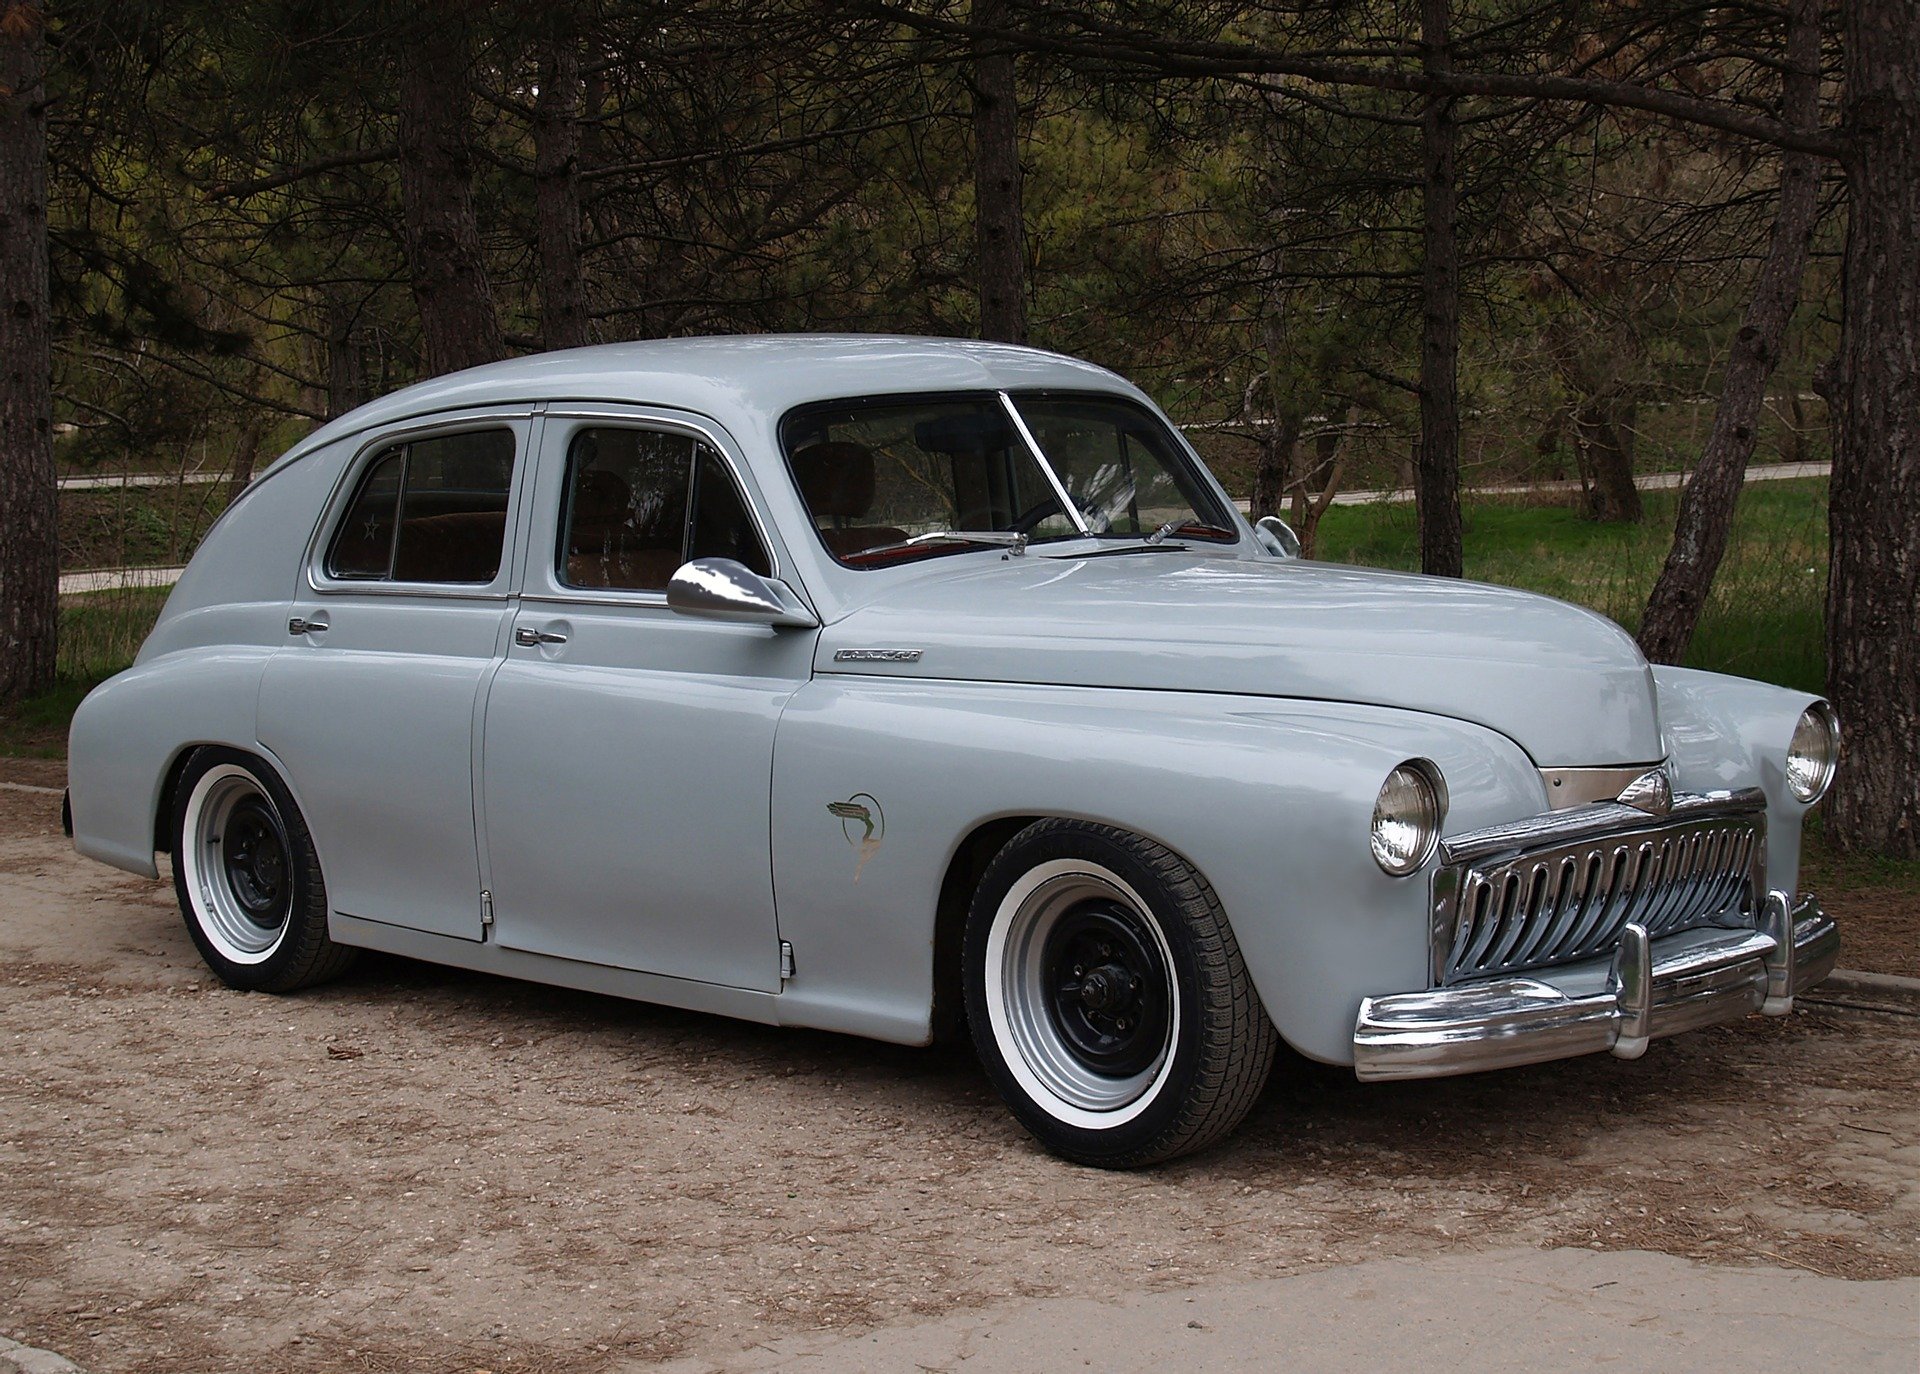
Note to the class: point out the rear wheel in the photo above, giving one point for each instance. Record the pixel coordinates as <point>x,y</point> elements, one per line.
<point>1108,999</point>
<point>247,877</point>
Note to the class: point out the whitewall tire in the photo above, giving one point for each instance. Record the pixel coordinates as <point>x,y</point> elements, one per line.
<point>247,877</point>
<point>1108,999</point>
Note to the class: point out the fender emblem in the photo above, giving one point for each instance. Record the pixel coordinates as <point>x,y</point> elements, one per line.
<point>1651,792</point>
<point>877,655</point>
<point>863,810</point>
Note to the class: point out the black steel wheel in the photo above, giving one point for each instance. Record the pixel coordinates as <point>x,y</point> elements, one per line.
<point>1108,999</point>
<point>247,877</point>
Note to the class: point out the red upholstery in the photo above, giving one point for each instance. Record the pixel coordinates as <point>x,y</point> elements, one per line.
<point>836,480</point>
<point>461,547</point>
<point>604,546</point>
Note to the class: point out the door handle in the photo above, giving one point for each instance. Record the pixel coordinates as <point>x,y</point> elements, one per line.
<point>307,625</point>
<point>531,638</point>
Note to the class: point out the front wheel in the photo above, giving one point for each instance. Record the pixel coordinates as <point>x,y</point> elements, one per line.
<point>1108,998</point>
<point>247,877</point>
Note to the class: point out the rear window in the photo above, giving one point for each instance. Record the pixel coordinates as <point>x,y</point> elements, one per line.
<point>429,510</point>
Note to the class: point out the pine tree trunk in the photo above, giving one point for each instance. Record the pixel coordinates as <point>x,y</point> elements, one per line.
<point>999,229</point>
<point>246,452</point>
<point>29,537</point>
<point>1873,587</point>
<point>1437,464</point>
<point>1603,428</point>
<point>347,383</point>
<point>556,171</point>
<point>458,323</point>
<point>1706,507</point>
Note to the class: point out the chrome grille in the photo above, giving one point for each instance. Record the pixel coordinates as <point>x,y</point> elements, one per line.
<point>1562,888</point>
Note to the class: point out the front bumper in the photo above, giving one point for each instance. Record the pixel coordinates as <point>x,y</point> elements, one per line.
<point>1649,989</point>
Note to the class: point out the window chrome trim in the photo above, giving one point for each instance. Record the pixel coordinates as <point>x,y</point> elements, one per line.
<point>1068,506</point>
<point>629,419</point>
<point>314,571</point>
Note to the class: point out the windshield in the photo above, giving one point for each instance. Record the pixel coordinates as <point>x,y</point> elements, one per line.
<point>899,479</point>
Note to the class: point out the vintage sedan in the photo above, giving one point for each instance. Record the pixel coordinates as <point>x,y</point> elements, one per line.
<point>888,685</point>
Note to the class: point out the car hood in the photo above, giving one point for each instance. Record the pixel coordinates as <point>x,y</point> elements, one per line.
<point>1568,685</point>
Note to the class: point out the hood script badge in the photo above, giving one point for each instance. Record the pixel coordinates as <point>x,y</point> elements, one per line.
<point>863,810</point>
<point>877,655</point>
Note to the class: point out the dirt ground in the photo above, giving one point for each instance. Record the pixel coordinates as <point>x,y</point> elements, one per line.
<point>420,1169</point>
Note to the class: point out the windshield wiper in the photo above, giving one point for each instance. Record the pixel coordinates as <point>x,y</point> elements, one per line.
<point>1007,539</point>
<point>1191,527</point>
<point>1011,540</point>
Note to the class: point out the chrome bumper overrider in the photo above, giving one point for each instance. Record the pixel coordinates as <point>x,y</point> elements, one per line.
<point>1650,988</point>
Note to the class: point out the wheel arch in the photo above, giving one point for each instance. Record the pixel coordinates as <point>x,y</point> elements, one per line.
<point>971,856</point>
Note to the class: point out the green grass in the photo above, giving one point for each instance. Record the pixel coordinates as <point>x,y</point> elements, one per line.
<point>99,635</point>
<point>102,631</point>
<point>37,727</point>
<point>1764,619</point>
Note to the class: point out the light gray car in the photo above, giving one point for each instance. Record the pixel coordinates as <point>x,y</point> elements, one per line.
<point>883,684</point>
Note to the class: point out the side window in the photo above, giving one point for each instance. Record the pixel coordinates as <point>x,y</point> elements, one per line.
<point>433,510</point>
<point>640,503</point>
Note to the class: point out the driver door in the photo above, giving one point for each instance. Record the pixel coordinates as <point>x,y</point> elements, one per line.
<point>627,749</point>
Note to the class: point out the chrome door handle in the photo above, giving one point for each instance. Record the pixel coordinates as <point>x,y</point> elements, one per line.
<point>307,625</point>
<point>532,638</point>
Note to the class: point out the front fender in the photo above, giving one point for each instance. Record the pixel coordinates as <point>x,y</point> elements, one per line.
<point>1270,799</point>
<point>1731,732</point>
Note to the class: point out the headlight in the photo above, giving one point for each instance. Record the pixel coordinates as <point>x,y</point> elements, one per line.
<point>1814,752</point>
<point>1407,816</point>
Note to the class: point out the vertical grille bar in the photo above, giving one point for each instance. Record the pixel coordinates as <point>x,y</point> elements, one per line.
<point>1557,903</point>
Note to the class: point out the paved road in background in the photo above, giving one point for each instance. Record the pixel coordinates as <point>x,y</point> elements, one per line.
<point>119,579</point>
<point>121,480</point>
<point>1652,481</point>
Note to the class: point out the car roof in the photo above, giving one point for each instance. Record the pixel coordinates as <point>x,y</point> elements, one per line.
<point>745,381</point>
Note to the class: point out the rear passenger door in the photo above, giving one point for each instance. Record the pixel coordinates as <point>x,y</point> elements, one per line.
<point>372,704</point>
<point>628,749</point>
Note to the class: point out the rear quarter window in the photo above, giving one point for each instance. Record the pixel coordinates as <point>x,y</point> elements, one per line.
<point>429,510</point>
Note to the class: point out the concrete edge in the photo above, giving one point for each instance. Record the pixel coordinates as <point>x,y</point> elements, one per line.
<point>1899,993</point>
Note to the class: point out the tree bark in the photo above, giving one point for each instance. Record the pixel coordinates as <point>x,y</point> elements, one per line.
<point>1873,585</point>
<point>1706,506</point>
<point>556,171</point>
<point>999,229</point>
<point>246,451</point>
<point>1278,438</point>
<point>1315,491</point>
<point>1437,463</point>
<point>347,382</point>
<point>29,538</point>
<point>458,323</point>
<point>1603,429</point>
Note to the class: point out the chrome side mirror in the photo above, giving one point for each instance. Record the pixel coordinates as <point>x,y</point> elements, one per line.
<point>725,589</point>
<point>1276,536</point>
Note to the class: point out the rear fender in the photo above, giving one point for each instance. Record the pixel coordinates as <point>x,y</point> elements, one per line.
<point>132,729</point>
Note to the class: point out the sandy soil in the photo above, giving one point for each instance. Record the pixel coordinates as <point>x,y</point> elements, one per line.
<point>418,1169</point>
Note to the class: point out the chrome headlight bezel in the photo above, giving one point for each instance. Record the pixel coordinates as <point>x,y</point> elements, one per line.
<point>1408,811</point>
<point>1813,753</point>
